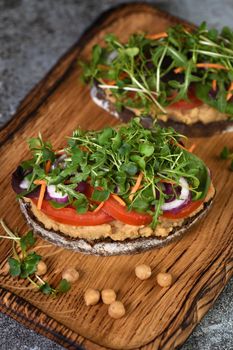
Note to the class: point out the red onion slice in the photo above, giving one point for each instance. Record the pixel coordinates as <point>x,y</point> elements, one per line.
<point>183,197</point>
<point>111,57</point>
<point>58,196</point>
<point>24,184</point>
<point>82,187</point>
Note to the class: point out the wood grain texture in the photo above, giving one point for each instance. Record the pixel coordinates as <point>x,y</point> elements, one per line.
<point>202,262</point>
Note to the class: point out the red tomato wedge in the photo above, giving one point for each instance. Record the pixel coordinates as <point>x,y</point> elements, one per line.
<point>184,212</point>
<point>119,212</point>
<point>192,103</point>
<point>69,216</point>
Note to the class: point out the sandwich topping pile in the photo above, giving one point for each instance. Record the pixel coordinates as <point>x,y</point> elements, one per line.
<point>179,75</point>
<point>120,184</point>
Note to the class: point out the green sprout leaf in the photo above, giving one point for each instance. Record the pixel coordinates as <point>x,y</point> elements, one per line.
<point>81,204</point>
<point>105,136</point>
<point>132,51</point>
<point>146,149</point>
<point>96,53</point>
<point>140,161</point>
<point>29,264</point>
<point>100,195</point>
<point>15,268</point>
<point>58,205</point>
<point>63,286</point>
<point>130,168</point>
<point>225,152</point>
<point>27,241</point>
<point>46,288</point>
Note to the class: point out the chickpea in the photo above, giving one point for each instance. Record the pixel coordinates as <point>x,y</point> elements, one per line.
<point>164,279</point>
<point>41,268</point>
<point>143,272</point>
<point>116,309</point>
<point>70,274</point>
<point>91,296</point>
<point>108,296</point>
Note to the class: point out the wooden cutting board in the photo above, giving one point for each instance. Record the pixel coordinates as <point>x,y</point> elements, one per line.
<point>201,263</point>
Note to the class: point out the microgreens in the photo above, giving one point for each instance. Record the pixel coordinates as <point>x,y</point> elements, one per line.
<point>110,161</point>
<point>141,73</point>
<point>24,265</point>
<point>227,154</point>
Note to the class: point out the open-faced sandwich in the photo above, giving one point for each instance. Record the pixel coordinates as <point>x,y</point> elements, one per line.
<point>114,191</point>
<point>183,77</point>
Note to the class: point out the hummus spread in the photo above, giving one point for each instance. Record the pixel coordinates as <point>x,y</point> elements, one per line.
<point>115,230</point>
<point>204,113</point>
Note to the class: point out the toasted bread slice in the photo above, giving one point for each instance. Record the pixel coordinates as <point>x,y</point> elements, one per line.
<point>173,119</point>
<point>138,240</point>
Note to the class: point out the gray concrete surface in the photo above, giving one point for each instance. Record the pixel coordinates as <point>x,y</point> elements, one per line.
<point>33,34</point>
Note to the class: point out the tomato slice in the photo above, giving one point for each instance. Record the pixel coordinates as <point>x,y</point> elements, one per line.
<point>119,212</point>
<point>69,216</point>
<point>192,103</point>
<point>183,213</point>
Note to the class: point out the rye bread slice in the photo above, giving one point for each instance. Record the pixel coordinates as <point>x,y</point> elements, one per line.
<point>197,129</point>
<point>107,246</point>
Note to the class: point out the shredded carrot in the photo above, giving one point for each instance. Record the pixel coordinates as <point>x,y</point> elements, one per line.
<point>99,207</point>
<point>48,166</point>
<point>84,148</point>
<point>230,92</point>
<point>156,36</point>
<point>178,70</point>
<point>119,199</point>
<point>179,145</point>
<point>103,66</point>
<point>202,65</point>
<point>214,85</point>
<point>211,65</point>
<point>43,185</point>
<point>39,182</point>
<point>122,76</point>
<point>136,186</point>
<point>192,148</point>
<point>42,193</point>
<point>108,82</point>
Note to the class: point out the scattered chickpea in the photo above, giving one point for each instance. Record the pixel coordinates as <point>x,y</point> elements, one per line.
<point>143,272</point>
<point>116,309</point>
<point>70,274</point>
<point>41,268</point>
<point>91,296</point>
<point>164,279</point>
<point>108,296</point>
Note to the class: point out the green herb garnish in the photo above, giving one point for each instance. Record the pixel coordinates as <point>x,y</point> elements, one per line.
<point>110,161</point>
<point>227,154</point>
<point>24,265</point>
<point>149,75</point>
